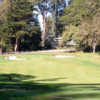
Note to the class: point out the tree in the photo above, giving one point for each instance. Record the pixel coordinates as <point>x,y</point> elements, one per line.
<point>90,30</point>
<point>89,27</point>
<point>84,15</point>
<point>55,7</point>
<point>18,19</point>
<point>3,36</point>
<point>4,5</point>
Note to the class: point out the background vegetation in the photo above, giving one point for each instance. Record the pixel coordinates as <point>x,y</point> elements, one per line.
<point>77,23</point>
<point>84,15</point>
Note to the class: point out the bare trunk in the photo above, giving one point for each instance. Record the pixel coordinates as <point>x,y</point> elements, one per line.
<point>16,45</point>
<point>0,50</point>
<point>44,32</point>
<point>94,42</point>
<point>94,47</point>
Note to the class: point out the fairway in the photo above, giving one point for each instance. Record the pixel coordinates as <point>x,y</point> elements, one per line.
<point>43,76</point>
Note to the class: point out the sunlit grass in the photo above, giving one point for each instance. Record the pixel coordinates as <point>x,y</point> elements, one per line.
<point>75,78</point>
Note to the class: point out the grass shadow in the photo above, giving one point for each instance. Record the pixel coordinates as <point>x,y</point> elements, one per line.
<point>20,87</point>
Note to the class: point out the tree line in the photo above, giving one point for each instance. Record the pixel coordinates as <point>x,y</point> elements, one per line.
<point>19,26</point>
<point>78,22</point>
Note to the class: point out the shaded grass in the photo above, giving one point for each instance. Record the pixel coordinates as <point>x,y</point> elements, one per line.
<point>45,77</point>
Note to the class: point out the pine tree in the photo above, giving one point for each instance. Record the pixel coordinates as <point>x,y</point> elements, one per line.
<point>18,20</point>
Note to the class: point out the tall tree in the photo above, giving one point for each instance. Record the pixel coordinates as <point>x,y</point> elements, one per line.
<point>18,19</point>
<point>3,36</point>
<point>55,7</point>
<point>4,7</point>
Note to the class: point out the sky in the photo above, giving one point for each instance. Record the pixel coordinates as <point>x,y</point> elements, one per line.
<point>67,2</point>
<point>0,1</point>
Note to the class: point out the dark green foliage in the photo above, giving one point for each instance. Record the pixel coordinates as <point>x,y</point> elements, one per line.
<point>18,19</point>
<point>18,25</point>
<point>75,12</point>
<point>29,43</point>
<point>3,36</point>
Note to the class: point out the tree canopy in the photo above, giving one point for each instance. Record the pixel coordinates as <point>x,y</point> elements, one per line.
<point>83,14</point>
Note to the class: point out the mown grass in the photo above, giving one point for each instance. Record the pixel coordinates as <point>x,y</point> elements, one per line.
<point>45,77</point>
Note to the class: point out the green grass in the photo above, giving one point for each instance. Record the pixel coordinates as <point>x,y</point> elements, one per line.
<point>45,77</point>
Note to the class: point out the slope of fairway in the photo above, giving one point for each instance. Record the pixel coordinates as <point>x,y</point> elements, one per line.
<point>46,77</point>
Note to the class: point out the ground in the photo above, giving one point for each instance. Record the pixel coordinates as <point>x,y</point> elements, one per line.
<point>43,76</point>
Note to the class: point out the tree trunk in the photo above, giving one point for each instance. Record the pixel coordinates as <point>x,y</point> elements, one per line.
<point>0,50</point>
<point>16,45</point>
<point>94,42</point>
<point>94,47</point>
<point>44,32</point>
